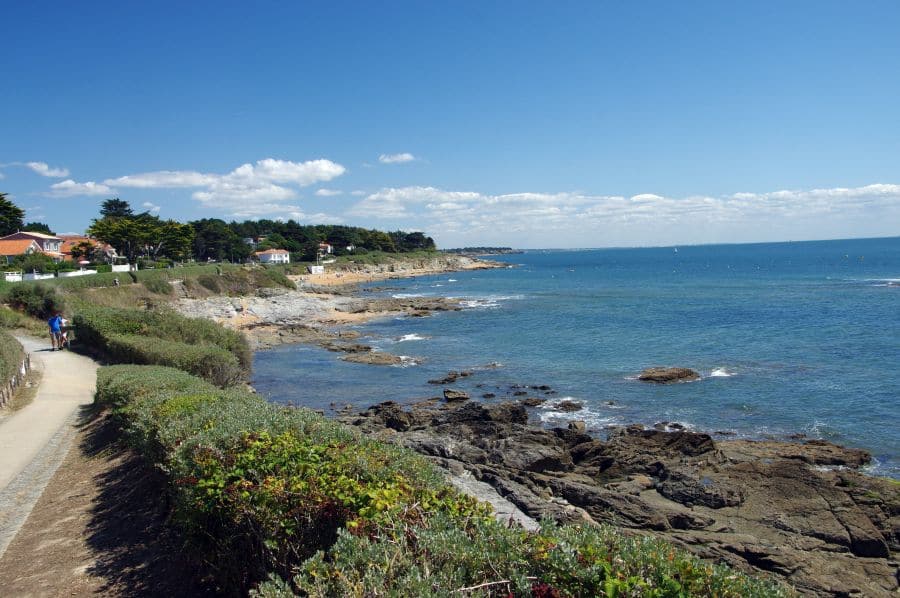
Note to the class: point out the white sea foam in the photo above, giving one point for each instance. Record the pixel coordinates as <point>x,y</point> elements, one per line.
<point>410,337</point>
<point>489,302</point>
<point>407,295</point>
<point>721,373</point>
<point>451,280</point>
<point>594,420</point>
<point>407,362</point>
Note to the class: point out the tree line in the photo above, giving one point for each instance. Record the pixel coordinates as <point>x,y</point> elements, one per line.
<point>146,236</point>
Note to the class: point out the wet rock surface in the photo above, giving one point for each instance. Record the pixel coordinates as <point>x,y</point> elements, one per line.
<point>767,506</point>
<point>668,375</point>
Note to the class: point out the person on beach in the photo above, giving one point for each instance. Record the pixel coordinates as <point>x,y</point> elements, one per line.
<point>55,323</point>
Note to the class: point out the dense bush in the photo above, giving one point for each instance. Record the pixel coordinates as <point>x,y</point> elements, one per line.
<point>11,356</point>
<point>207,361</point>
<point>165,338</point>
<point>272,276</point>
<point>262,490</point>
<point>37,300</point>
<point>10,318</point>
<point>160,287</point>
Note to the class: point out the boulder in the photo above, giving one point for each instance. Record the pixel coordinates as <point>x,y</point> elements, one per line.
<point>451,395</point>
<point>568,406</point>
<point>668,375</point>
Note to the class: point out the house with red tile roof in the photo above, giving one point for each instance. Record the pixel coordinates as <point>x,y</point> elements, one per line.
<point>71,241</point>
<point>10,249</point>
<point>49,244</point>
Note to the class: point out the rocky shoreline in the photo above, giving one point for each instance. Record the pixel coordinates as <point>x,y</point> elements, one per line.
<point>320,309</point>
<point>799,510</point>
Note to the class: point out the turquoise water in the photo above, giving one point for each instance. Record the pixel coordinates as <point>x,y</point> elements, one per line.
<point>790,338</point>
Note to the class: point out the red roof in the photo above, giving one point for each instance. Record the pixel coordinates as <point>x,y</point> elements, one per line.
<point>17,246</point>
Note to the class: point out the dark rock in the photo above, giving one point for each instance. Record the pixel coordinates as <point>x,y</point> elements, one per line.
<point>373,358</point>
<point>488,395</point>
<point>455,395</point>
<point>765,505</point>
<point>533,402</point>
<point>668,375</point>
<point>578,426</point>
<point>519,393</point>
<point>568,406</point>
<point>681,486</point>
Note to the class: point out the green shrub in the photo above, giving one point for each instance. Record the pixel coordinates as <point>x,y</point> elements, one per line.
<point>210,282</point>
<point>10,318</point>
<point>209,362</point>
<point>442,557</point>
<point>162,337</point>
<point>11,356</point>
<point>160,287</point>
<point>272,276</point>
<point>103,268</point>
<point>35,299</point>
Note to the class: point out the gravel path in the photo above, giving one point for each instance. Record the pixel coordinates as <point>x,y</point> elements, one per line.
<point>35,439</point>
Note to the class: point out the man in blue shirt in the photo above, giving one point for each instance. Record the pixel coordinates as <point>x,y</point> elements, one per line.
<point>55,323</point>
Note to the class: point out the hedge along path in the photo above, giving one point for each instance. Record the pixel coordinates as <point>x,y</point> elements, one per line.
<point>35,439</point>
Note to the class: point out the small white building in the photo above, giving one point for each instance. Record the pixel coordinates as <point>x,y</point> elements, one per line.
<point>273,256</point>
<point>316,269</point>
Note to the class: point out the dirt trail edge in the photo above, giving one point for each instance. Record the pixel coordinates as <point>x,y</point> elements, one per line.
<point>35,439</point>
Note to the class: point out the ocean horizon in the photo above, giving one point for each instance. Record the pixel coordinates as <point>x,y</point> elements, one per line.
<point>793,340</point>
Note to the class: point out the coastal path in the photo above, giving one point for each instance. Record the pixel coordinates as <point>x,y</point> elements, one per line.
<point>35,439</point>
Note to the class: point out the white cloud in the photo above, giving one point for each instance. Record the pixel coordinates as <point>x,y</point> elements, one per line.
<point>577,219</point>
<point>327,192</point>
<point>357,193</point>
<point>151,207</point>
<point>396,158</point>
<point>168,179</point>
<point>69,188</point>
<point>43,169</point>
<point>249,191</point>
<point>2,176</point>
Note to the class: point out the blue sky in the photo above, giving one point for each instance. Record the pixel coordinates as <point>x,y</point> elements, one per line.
<point>554,124</point>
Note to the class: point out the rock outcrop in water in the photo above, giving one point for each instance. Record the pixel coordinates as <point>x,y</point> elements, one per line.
<point>769,506</point>
<point>668,375</point>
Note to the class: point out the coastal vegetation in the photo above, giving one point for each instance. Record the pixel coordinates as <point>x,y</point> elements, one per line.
<point>11,356</point>
<point>162,337</point>
<point>286,497</point>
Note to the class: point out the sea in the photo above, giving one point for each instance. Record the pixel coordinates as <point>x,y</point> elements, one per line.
<point>792,340</point>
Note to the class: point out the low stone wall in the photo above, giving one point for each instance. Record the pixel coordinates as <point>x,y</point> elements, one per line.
<point>8,388</point>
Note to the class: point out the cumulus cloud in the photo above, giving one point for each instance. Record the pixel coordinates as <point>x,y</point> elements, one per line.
<point>151,207</point>
<point>251,190</point>
<point>396,158</point>
<point>44,169</point>
<point>167,179</point>
<point>327,192</point>
<point>69,188</point>
<point>577,219</point>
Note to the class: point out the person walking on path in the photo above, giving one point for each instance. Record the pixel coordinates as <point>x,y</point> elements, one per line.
<point>64,332</point>
<point>55,323</point>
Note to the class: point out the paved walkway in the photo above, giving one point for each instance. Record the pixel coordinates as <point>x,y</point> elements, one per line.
<point>35,439</point>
